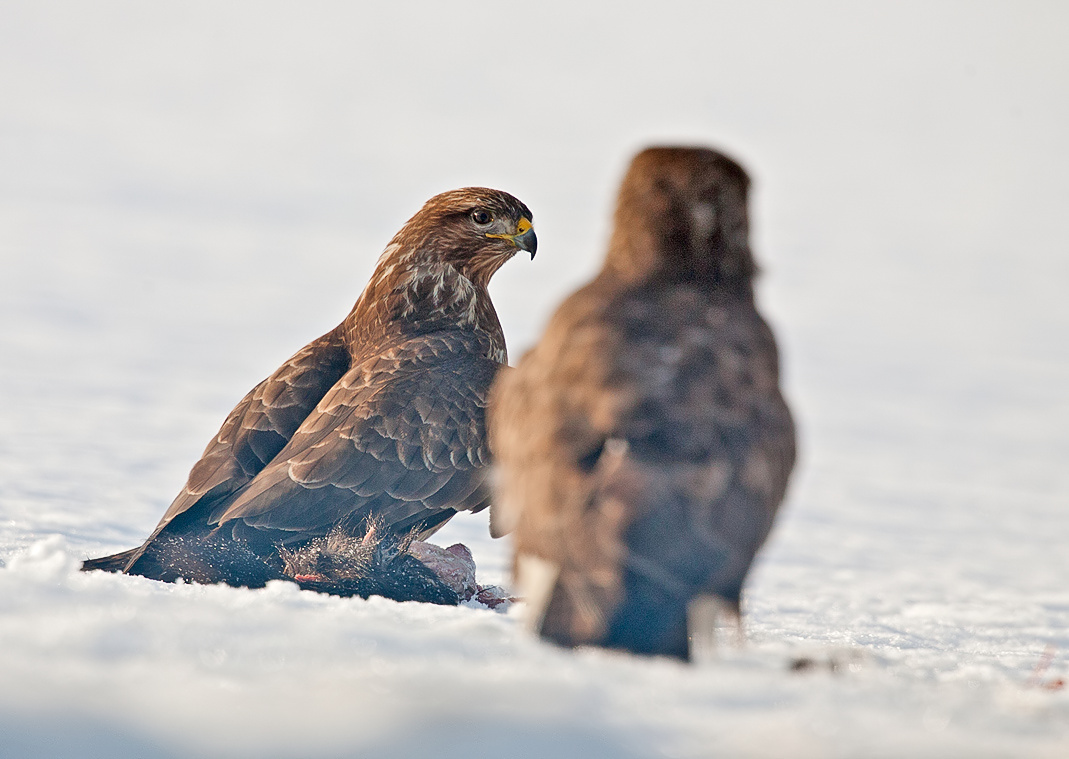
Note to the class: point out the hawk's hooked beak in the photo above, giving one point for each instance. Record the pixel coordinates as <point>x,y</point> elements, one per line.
<point>525,236</point>
<point>524,239</point>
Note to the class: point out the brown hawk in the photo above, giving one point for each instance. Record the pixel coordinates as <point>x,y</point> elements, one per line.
<point>643,444</point>
<point>377,426</point>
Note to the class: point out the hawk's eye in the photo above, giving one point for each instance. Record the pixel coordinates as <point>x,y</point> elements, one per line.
<point>481,217</point>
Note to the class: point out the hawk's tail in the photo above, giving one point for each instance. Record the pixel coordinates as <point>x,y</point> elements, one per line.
<point>115,563</point>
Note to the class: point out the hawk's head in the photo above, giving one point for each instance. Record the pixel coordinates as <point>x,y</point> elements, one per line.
<point>682,212</point>
<point>474,229</point>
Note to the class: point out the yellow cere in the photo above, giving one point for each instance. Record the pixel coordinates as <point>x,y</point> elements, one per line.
<point>522,226</point>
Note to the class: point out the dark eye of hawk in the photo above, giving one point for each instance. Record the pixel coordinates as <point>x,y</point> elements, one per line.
<point>481,217</point>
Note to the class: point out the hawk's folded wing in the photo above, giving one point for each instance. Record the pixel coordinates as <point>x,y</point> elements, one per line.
<point>257,429</point>
<point>399,436</point>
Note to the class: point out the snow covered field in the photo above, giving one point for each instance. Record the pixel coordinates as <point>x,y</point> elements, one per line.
<point>190,192</point>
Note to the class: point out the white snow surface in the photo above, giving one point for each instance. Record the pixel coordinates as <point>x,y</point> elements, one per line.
<point>189,192</point>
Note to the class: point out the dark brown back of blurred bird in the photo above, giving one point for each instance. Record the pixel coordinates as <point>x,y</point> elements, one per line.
<point>643,445</point>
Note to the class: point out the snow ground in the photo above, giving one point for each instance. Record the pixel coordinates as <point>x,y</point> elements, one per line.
<point>188,193</point>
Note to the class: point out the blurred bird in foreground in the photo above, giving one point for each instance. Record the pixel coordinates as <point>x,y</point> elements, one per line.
<point>368,437</point>
<point>643,444</point>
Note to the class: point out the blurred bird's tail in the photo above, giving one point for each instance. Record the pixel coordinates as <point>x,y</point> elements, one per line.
<point>115,563</point>
<point>643,619</point>
<point>652,620</point>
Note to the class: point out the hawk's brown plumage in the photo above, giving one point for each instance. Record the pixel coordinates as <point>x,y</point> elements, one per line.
<point>381,417</point>
<point>643,444</point>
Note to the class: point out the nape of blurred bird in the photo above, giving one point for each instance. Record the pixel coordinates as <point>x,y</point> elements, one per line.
<point>373,434</point>
<point>643,444</point>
